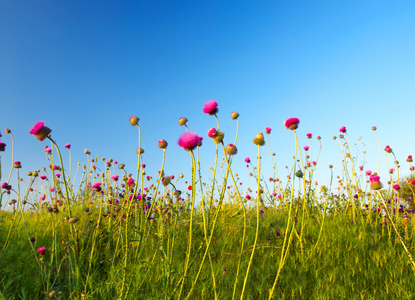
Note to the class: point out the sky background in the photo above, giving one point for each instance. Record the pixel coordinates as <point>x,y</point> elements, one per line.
<point>85,67</point>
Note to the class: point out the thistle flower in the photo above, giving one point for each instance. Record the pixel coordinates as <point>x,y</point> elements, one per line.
<point>200,141</point>
<point>188,141</point>
<point>373,128</point>
<point>309,135</point>
<point>409,159</point>
<point>292,123</point>
<point>97,186</point>
<point>134,120</point>
<point>231,149</point>
<point>388,149</point>
<point>268,130</point>
<point>210,107</point>
<point>48,151</point>
<point>7,130</point>
<point>17,165</point>
<point>141,150</point>
<point>162,144</point>
<point>41,250</point>
<point>343,129</point>
<point>234,115</point>
<point>306,148</point>
<point>368,172</point>
<point>247,160</point>
<point>299,174</point>
<point>212,132</point>
<point>182,121</point>
<point>2,146</point>
<point>375,184</point>
<point>396,187</point>
<point>40,131</point>
<point>115,177</point>
<point>43,177</point>
<point>131,182</point>
<point>259,139</point>
<point>68,146</point>
<point>166,180</point>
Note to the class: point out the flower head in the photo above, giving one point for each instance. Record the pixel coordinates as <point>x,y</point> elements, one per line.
<point>247,160</point>
<point>182,121</point>
<point>115,177</point>
<point>2,146</point>
<point>210,107</point>
<point>40,131</point>
<point>68,146</point>
<point>134,120</point>
<point>231,149</point>
<point>97,186</point>
<point>17,164</point>
<point>292,123</point>
<point>259,139</point>
<point>343,129</point>
<point>188,141</point>
<point>368,172</point>
<point>375,184</point>
<point>396,187</point>
<point>212,132</point>
<point>41,250</point>
<point>409,159</point>
<point>162,144</point>
<point>388,149</point>
<point>234,115</point>
<point>306,148</point>
<point>268,130</point>
<point>48,151</point>
<point>309,135</point>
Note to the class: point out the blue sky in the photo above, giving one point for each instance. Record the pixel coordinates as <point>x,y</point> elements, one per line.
<point>85,67</point>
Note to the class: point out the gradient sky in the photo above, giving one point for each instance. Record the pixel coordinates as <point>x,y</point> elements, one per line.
<point>85,67</point>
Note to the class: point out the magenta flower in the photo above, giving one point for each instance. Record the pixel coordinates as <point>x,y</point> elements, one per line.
<point>413,181</point>
<point>115,177</point>
<point>361,168</point>
<point>309,135</point>
<point>374,178</point>
<point>48,151</point>
<point>188,140</point>
<point>388,149</point>
<point>247,160</point>
<point>306,148</point>
<point>40,131</point>
<point>368,172</point>
<point>68,146</point>
<point>343,129</point>
<point>396,187</point>
<point>97,186</point>
<point>292,123</point>
<point>43,197</point>
<point>43,177</point>
<point>212,132</point>
<point>2,146</point>
<point>58,175</point>
<point>41,250</point>
<point>131,182</point>
<point>210,107</point>
<point>268,130</point>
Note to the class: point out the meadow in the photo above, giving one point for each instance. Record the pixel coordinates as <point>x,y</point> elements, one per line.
<point>112,234</point>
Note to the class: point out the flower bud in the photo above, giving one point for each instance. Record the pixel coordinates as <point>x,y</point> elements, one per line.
<point>182,121</point>
<point>234,115</point>
<point>162,144</point>
<point>259,139</point>
<point>220,135</point>
<point>231,149</point>
<point>134,120</point>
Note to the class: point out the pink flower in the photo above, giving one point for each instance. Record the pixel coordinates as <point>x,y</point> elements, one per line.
<point>343,129</point>
<point>309,135</point>
<point>188,141</point>
<point>374,178</point>
<point>268,130</point>
<point>131,182</point>
<point>212,132</point>
<point>68,146</point>
<point>40,131</point>
<point>361,168</point>
<point>397,187</point>
<point>97,186</point>
<point>314,163</point>
<point>247,160</point>
<point>306,148</point>
<point>115,177</point>
<point>143,166</point>
<point>41,250</point>
<point>368,172</point>
<point>43,177</point>
<point>210,107</point>
<point>48,151</point>
<point>52,189</point>
<point>58,175</point>
<point>292,123</point>
<point>388,149</point>
<point>2,146</point>
<point>43,197</point>
<point>413,181</point>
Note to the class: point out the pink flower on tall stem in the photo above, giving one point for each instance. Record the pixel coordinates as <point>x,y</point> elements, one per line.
<point>309,135</point>
<point>188,141</point>
<point>211,107</point>
<point>268,130</point>
<point>68,146</point>
<point>40,131</point>
<point>212,132</point>
<point>41,250</point>
<point>292,123</point>
<point>48,151</point>
<point>247,160</point>
<point>368,172</point>
<point>396,187</point>
<point>306,148</point>
<point>343,129</point>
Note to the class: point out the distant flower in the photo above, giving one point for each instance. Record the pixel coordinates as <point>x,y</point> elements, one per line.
<point>33,239</point>
<point>259,139</point>
<point>188,141</point>
<point>131,182</point>
<point>210,107</point>
<point>413,182</point>
<point>306,148</point>
<point>162,144</point>
<point>43,177</point>
<point>41,250</point>
<point>48,151</point>
<point>189,187</point>
<point>234,115</point>
<point>375,183</point>
<point>2,146</point>
<point>134,120</point>
<point>396,187</point>
<point>115,177</point>
<point>97,186</point>
<point>409,159</point>
<point>361,168</point>
<point>268,130</point>
<point>309,135</point>
<point>212,132</point>
<point>368,172</point>
<point>388,149</point>
<point>68,146</point>
<point>343,129</point>
<point>17,164</point>
<point>292,123</point>
<point>40,131</point>
<point>182,121</point>
<point>231,149</point>
<point>247,160</point>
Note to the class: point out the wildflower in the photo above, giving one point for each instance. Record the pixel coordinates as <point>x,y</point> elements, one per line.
<point>7,130</point>
<point>162,144</point>
<point>87,152</point>
<point>115,177</point>
<point>200,141</point>
<point>220,135</point>
<point>189,187</point>
<point>234,115</point>
<point>373,128</point>
<point>48,151</point>
<point>306,148</point>
<point>182,121</point>
<point>166,180</point>
<point>396,187</point>
<point>212,132</point>
<point>41,250</point>
<point>343,129</point>
<point>268,130</point>
<point>188,141</point>
<point>299,174</point>
<point>259,139</point>
<point>375,184</point>
<point>413,181</point>
<point>17,165</point>
<point>134,120</point>
<point>2,146</point>
<point>68,146</point>
<point>139,151</point>
<point>40,131</point>
<point>292,123</point>
<point>73,220</point>
<point>309,135</point>
<point>210,107</point>
<point>409,159</point>
<point>388,149</point>
<point>33,240</point>
<point>43,177</point>
<point>131,182</point>
<point>231,149</point>
<point>121,166</point>
<point>97,186</point>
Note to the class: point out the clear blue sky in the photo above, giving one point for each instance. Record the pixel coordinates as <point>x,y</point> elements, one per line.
<point>85,67</point>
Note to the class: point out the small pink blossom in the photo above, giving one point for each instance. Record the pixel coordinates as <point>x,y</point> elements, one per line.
<point>374,178</point>
<point>68,146</point>
<point>41,250</point>
<point>396,187</point>
<point>188,141</point>
<point>343,129</point>
<point>43,177</point>
<point>96,186</point>
<point>210,107</point>
<point>48,151</point>
<point>40,131</point>
<point>247,160</point>
<point>212,132</point>
<point>131,182</point>
<point>268,130</point>
<point>292,123</point>
<point>309,135</point>
<point>115,177</point>
<point>368,172</point>
<point>361,168</point>
<point>306,148</point>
